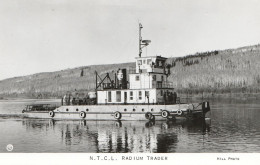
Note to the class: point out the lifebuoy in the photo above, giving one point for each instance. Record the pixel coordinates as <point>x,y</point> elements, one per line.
<point>179,112</point>
<point>149,116</point>
<point>165,114</point>
<point>117,115</point>
<point>51,113</point>
<point>82,114</point>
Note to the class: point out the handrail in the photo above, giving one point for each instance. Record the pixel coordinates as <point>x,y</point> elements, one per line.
<point>162,85</point>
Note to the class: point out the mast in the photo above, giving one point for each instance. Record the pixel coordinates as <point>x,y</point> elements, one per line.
<point>142,43</point>
<point>140,39</point>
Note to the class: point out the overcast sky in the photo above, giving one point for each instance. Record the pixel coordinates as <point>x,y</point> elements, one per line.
<point>50,35</point>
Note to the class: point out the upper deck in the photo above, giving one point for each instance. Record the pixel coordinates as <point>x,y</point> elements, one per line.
<point>146,83</point>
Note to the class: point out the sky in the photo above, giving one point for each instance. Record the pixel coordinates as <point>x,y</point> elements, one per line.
<point>51,35</point>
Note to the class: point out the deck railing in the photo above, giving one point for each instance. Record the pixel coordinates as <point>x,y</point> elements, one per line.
<point>163,85</point>
<point>114,86</point>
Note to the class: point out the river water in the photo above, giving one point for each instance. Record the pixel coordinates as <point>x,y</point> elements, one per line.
<point>234,127</point>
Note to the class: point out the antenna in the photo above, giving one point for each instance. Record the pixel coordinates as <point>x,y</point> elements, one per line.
<point>142,43</point>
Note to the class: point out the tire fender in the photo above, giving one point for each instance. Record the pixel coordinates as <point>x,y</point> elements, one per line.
<point>117,115</point>
<point>51,113</point>
<point>82,114</point>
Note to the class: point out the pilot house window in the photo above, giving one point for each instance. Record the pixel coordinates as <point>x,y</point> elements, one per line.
<point>154,77</point>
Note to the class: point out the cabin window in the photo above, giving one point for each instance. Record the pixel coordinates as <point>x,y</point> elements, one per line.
<point>137,78</point>
<point>118,96</point>
<point>149,61</point>
<point>154,77</point>
<point>131,95</point>
<point>144,61</point>
<point>144,70</point>
<point>147,93</point>
<point>157,63</point>
<point>162,78</point>
<point>160,63</point>
<point>161,92</point>
<point>109,96</point>
<point>139,62</point>
<point>140,95</point>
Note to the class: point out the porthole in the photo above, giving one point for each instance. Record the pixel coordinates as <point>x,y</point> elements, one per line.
<point>77,109</point>
<point>133,109</point>
<point>125,110</point>
<point>152,109</point>
<point>142,109</point>
<point>67,109</point>
<point>87,110</point>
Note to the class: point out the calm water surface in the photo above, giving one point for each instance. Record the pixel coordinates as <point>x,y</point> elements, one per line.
<point>235,127</point>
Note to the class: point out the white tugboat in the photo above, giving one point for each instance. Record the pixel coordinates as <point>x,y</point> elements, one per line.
<point>140,93</point>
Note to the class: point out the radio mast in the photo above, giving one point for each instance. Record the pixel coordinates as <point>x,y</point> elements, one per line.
<point>142,43</point>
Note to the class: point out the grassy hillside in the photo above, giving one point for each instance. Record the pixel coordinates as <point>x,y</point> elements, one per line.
<point>228,71</point>
<point>216,72</point>
<point>53,84</point>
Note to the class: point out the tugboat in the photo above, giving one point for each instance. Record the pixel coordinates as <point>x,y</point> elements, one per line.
<point>140,93</point>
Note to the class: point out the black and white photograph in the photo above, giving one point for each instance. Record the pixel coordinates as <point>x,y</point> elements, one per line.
<point>130,80</point>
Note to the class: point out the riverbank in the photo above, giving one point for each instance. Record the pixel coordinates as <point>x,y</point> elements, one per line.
<point>182,95</point>
<point>205,95</point>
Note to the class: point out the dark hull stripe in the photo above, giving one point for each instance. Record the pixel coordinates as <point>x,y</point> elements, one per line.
<point>95,112</point>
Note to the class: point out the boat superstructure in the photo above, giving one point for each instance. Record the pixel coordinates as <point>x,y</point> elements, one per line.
<point>139,93</point>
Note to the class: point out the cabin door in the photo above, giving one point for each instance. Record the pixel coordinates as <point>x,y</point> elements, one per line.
<point>125,97</point>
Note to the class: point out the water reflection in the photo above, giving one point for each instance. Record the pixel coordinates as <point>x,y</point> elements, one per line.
<point>117,136</point>
<point>235,127</point>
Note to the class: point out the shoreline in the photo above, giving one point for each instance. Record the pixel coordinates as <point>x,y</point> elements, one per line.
<point>203,95</point>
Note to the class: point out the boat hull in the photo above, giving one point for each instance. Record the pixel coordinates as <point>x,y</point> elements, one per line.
<point>121,112</point>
